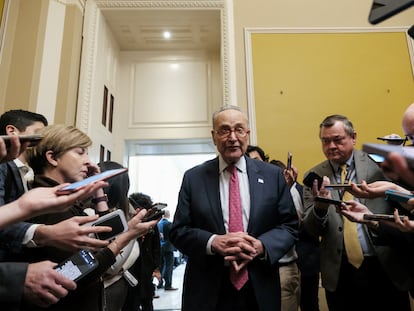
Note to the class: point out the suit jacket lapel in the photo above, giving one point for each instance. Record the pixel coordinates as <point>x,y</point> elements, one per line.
<point>17,177</point>
<point>255,178</point>
<point>211,183</point>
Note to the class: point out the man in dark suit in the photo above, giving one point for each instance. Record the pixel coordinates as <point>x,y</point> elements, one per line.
<point>201,225</point>
<point>15,176</point>
<point>382,274</point>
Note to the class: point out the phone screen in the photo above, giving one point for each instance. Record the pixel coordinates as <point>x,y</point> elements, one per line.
<point>78,265</point>
<point>116,220</point>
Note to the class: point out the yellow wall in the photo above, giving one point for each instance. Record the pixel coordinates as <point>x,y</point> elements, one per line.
<point>1,8</point>
<point>300,78</point>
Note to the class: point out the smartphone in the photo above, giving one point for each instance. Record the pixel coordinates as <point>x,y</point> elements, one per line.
<point>340,186</point>
<point>34,139</point>
<point>380,217</point>
<point>289,161</point>
<point>154,212</point>
<point>376,158</point>
<point>159,205</point>
<point>398,196</point>
<point>327,200</point>
<point>116,220</point>
<point>308,180</point>
<point>78,265</point>
<point>385,149</point>
<point>80,184</point>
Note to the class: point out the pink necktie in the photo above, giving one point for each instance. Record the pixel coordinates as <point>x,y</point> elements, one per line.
<point>236,224</point>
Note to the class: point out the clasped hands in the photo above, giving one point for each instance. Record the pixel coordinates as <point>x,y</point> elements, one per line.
<point>237,248</point>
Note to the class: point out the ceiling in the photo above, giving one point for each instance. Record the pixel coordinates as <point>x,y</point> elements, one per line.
<point>142,29</point>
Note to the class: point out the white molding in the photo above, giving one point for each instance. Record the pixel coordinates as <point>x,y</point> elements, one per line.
<point>87,67</point>
<point>89,45</point>
<point>79,3</point>
<point>3,26</point>
<point>323,30</point>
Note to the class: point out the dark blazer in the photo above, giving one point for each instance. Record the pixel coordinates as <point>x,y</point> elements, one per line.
<point>272,220</point>
<point>330,229</point>
<point>307,247</point>
<point>12,276</point>
<point>88,294</point>
<point>11,188</point>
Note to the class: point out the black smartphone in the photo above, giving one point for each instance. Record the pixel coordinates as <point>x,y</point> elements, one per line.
<point>34,139</point>
<point>153,213</point>
<point>308,180</point>
<point>289,161</point>
<point>116,220</point>
<point>340,186</point>
<point>78,265</point>
<point>380,217</point>
<point>327,200</point>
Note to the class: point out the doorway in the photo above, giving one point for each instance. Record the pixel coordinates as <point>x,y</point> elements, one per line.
<point>157,167</point>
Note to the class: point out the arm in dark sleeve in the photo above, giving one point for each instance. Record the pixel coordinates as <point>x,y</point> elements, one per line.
<point>11,237</point>
<point>156,249</point>
<point>12,278</point>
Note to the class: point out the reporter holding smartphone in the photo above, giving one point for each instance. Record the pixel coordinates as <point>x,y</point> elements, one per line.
<point>380,271</point>
<point>62,157</point>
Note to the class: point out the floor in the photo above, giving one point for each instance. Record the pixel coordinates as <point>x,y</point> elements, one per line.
<point>171,300</point>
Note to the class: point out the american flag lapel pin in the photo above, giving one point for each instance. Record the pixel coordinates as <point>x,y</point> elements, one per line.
<point>260,181</point>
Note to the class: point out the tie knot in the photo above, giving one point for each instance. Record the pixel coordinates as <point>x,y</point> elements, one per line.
<point>344,171</point>
<point>231,169</point>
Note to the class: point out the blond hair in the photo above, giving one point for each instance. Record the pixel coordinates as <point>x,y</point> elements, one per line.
<point>58,139</point>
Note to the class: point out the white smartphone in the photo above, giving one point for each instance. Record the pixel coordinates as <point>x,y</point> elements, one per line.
<point>98,177</point>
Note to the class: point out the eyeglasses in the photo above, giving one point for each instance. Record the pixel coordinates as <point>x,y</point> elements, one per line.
<point>226,131</point>
<point>338,140</point>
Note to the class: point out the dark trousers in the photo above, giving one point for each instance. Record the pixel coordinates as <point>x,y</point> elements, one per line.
<point>309,300</point>
<point>366,288</point>
<point>167,265</point>
<point>233,299</point>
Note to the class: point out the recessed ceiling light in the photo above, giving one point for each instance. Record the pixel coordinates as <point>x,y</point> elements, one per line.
<point>166,34</point>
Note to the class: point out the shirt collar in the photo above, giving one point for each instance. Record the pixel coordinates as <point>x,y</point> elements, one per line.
<point>19,163</point>
<point>241,164</point>
<point>348,162</point>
